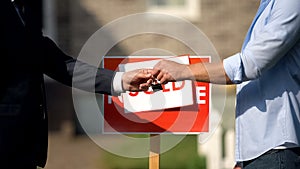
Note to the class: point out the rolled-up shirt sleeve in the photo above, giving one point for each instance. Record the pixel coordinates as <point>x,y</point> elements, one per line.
<point>234,68</point>
<point>271,39</point>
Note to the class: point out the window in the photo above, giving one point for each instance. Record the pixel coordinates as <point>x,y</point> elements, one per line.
<point>189,9</point>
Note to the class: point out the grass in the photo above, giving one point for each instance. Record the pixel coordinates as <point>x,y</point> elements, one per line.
<point>182,156</point>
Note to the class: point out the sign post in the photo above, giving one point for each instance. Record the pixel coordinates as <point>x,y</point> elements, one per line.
<point>154,151</point>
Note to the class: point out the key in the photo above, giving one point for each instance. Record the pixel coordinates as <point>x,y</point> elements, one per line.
<point>156,87</point>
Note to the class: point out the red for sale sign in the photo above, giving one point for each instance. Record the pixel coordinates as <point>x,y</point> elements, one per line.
<point>191,117</point>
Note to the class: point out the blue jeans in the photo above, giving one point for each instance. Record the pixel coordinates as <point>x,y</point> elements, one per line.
<point>276,159</point>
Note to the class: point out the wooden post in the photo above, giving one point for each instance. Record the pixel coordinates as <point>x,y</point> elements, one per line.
<point>154,151</point>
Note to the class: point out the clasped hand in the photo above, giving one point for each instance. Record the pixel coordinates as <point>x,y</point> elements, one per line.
<point>163,72</point>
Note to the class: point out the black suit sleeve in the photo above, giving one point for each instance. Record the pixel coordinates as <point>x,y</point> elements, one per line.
<point>75,73</point>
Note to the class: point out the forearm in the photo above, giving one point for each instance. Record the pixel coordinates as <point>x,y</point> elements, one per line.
<point>75,73</point>
<point>166,71</point>
<point>209,72</point>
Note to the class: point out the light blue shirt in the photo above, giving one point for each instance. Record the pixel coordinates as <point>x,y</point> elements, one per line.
<point>267,72</point>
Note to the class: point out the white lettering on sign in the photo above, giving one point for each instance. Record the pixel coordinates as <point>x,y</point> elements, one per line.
<point>200,92</point>
<point>175,94</point>
<point>169,87</point>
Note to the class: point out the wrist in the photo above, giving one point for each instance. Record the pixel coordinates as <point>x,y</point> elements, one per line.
<point>188,73</point>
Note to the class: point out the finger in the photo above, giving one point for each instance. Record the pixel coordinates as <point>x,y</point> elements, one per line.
<point>163,80</point>
<point>155,72</point>
<point>143,74</point>
<point>146,71</point>
<point>149,71</point>
<point>149,82</point>
<point>160,76</point>
<point>166,78</point>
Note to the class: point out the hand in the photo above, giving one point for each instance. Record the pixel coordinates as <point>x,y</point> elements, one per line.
<point>168,71</point>
<point>137,80</point>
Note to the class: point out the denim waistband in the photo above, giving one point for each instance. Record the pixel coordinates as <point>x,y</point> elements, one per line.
<point>296,150</point>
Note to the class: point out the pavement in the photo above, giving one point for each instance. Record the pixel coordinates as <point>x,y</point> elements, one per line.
<point>66,151</point>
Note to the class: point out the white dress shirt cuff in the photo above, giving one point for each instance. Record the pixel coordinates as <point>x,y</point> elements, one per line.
<point>117,83</point>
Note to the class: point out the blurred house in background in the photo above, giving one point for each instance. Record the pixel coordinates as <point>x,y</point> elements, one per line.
<point>71,22</point>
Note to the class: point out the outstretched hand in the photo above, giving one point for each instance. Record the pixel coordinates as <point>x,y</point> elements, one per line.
<point>137,80</point>
<point>168,71</point>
